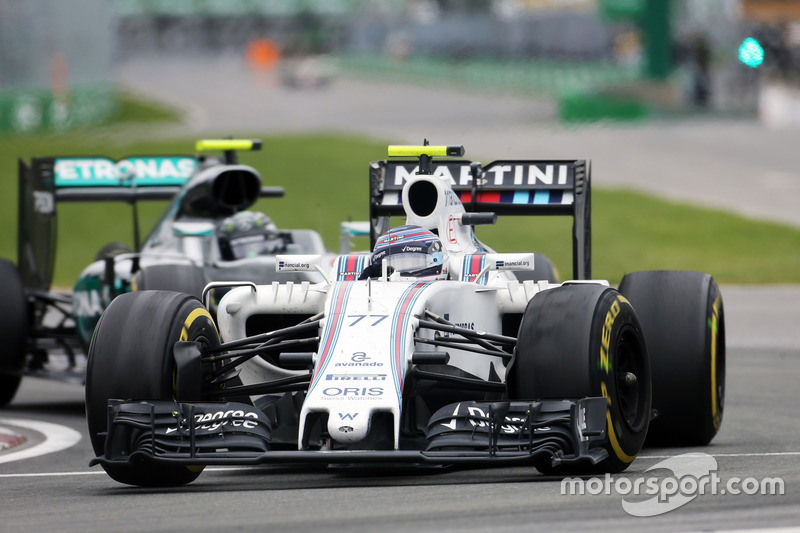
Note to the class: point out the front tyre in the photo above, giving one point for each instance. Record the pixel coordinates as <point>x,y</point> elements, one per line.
<point>131,358</point>
<point>684,324</point>
<point>112,249</point>
<point>13,330</point>
<point>576,341</point>
<point>190,279</point>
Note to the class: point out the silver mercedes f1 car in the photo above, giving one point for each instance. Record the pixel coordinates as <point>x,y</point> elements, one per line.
<point>208,232</point>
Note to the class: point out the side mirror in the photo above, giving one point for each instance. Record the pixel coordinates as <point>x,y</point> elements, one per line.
<point>300,263</point>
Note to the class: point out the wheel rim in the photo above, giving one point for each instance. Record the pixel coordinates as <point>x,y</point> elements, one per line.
<point>630,370</point>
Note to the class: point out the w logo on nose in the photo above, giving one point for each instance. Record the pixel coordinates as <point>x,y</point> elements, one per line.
<point>347,416</point>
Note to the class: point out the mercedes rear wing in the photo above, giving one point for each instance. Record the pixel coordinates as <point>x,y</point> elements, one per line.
<point>48,181</point>
<point>504,187</point>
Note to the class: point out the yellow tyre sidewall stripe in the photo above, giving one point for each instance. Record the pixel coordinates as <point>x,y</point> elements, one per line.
<point>194,315</point>
<point>612,436</point>
<point>714,332</point>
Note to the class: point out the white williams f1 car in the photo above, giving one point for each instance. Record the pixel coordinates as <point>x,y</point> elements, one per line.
<point>431,349</point>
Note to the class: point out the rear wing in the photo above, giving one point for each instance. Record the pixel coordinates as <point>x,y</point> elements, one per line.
<point>504,187</point>
<point>48,181</point>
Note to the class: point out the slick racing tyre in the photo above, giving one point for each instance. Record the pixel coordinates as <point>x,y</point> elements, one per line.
<point>131,358</point>
<point>585,340</point>
<point>111,249</point>
<point>543,270</point>
<point>684,326</point>
<point>13,330</point>
<point>189,279</point>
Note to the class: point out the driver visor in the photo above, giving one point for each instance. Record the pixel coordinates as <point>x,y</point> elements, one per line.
<point>408,262</point>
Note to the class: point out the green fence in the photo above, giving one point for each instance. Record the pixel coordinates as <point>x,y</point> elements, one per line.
<point>39,110</point>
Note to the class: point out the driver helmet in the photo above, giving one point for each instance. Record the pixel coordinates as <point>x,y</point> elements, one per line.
<point>248,234</point>
<point>411,252</point>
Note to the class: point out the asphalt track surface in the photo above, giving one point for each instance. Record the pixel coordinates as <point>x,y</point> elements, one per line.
<point>759,436</point>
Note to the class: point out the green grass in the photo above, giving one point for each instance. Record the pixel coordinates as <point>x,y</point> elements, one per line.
<point>326,182</point>
<point>132,109</point>
<point>633,231</point>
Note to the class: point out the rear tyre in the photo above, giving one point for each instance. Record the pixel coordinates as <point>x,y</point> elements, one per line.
<point>189,279</point>
<point>13,330</point>
<point>111,249</point>
<point>684,325</point>
<point>131,358</point>
<point>585,340</point>
<point>543,270</point>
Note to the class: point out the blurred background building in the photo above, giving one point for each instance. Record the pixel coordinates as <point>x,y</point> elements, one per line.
<point>600,59</point>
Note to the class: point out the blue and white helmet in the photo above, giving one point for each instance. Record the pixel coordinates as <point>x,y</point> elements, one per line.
<point>411,252</point>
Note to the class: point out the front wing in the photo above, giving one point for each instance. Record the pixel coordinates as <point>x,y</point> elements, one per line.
<point>169,432</point>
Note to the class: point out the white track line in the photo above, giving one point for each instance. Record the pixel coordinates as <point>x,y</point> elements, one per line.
<point>54,474</point>
<point>233,468</point>
<point>759,454</point>
<point>56,438</point>
<point>93,472</point>
<point>791,529</point>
